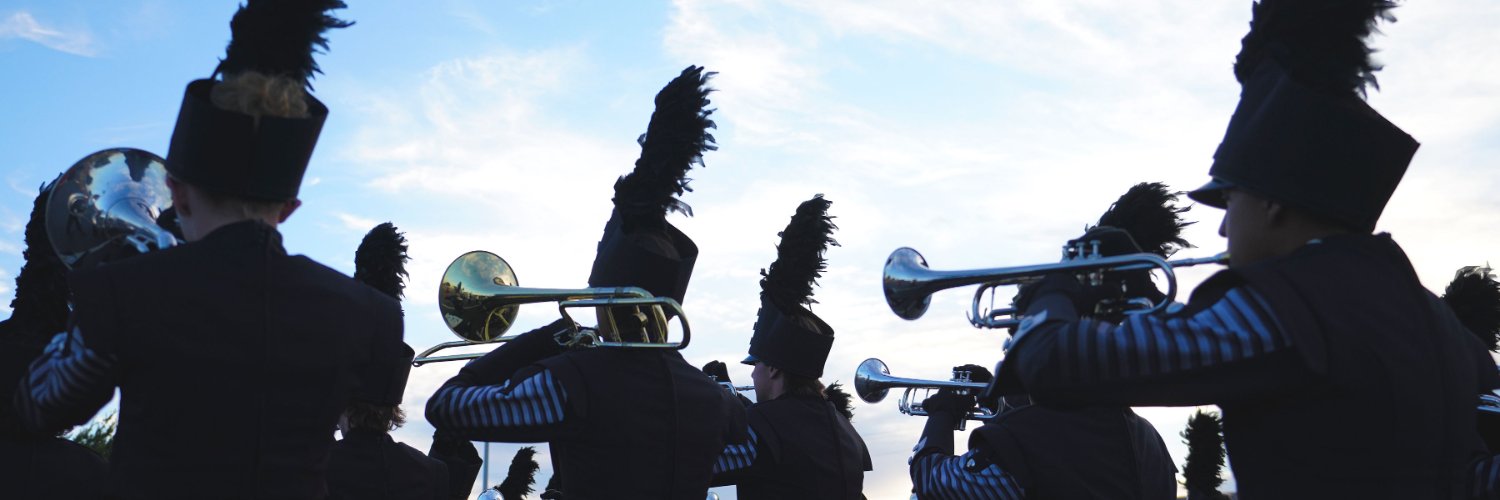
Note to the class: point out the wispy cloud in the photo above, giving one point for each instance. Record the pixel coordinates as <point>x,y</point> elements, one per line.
<point>23,25</point>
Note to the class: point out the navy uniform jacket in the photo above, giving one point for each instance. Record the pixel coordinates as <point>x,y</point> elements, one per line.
<point>233,359</point>
<point>1339,375</point>
<point>621,422</point>
<point>368,465</point>
<point>1040,452</point>
<point>42,468</point>
<point>800,447</point>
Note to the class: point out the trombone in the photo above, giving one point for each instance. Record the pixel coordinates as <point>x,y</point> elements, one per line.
<point>873,380</point>
<point>479,298</point>
<point>909,283</point>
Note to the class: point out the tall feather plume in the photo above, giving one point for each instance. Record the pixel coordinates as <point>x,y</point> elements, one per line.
<point>841,400</point>
<point>381,260</point>
<point>279,37</point>
<point>1320,43</point>
<point>521,477</point>
<point>1149,212</point>
<point>40,305</point>
<point>674,141</point>
<point>799,257</point>
<point>1474,296</point>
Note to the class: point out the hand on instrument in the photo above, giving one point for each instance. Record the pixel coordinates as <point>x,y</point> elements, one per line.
<point>718,371</point>
<point>976,373</point>
<point>574,336</point>
<point>948,402</point>
<point>1102,241</point>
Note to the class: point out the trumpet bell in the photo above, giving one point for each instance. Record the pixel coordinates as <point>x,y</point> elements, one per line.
<point>869,378</point>
<point>903,285</point>
<point>109,199</point>
<point>466,296</point>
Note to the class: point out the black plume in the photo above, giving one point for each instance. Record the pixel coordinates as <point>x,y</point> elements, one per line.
<point>674,141</point>
<point>1148,211</point>
<point>799,257</point>
<point>1202,471</point>
<point>41,300</point>
<point>840,399</point>
<point>381,260</point>
<point>1474,296</point>
<point>1320,43</point>
<point>522,475</point>
<point>279,37</point>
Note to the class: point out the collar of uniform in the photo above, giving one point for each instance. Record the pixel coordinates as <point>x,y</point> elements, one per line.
<point>367,435</point>
<point>246,231</point>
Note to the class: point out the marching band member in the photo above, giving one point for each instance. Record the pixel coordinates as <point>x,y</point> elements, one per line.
<point>622,422</point>
<point>367,463</point>
<point>1315,315</point>
<point>1040,451</point>
<point>39,465</point>
<point>234,359</point>
<point>800,445</point>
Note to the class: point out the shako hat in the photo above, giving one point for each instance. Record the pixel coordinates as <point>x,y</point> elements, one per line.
<point>639,247</point>
<point>787,334</point>
<point>249,156</point>
<point>1302,133</point>
<point>380,262</point>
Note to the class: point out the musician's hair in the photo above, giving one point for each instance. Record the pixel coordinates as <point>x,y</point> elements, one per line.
<point>799,385</point>
<point>373,417</point>
<point>257,95</point>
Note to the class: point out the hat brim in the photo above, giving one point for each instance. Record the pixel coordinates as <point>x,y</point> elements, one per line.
<point>750,360</point>
<point>1211,194</point>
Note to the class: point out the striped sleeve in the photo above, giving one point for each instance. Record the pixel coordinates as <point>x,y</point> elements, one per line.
<point>737,456</point>
<point>67,384</point>
<point>1218,337</point>
<point>500,412</point>
<point>935,476</point>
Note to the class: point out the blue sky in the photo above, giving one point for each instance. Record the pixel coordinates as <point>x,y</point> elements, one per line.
<point>981,133</point>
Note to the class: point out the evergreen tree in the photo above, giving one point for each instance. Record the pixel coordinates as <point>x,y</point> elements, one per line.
<point>1202,471</point>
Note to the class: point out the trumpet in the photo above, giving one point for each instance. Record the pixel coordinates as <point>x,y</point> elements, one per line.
<point>729,386</point>
<point>909,283</point>
<point>873,381</point>
<point>479,298</point>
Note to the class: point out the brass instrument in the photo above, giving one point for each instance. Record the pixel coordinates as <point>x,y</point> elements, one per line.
<point>873,380</point>
<point>110,198</point>
<point>729,386</point>
<point>909,283</point>
<point>479,298</point>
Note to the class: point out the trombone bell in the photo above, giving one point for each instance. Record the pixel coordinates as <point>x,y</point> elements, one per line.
<point>479,299</point>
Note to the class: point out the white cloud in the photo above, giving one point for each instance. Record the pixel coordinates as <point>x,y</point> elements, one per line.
<point>23,25</point>
<point>355,222</point>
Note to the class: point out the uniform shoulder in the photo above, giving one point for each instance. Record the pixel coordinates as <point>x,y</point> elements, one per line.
<point>335,281</point>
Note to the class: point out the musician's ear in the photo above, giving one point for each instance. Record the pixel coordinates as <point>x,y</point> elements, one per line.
<point>287,207</point>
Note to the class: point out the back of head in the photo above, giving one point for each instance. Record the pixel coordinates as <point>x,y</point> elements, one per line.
<point>639,247</point>
<point>787,335</point>
<point>249,137</point>
<point>1302,134</point>
<point>380,262</point>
